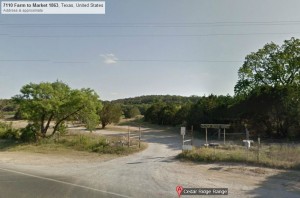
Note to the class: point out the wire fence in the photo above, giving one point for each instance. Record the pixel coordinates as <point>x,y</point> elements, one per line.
<point>278,155</point>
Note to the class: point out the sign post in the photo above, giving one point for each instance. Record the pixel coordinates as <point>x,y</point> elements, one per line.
<point>182,132</point>
<point>185,147</point>
<point>205,135</point>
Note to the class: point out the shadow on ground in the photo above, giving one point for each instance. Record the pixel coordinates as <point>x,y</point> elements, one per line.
<point>151,133</point>
<point>284,184</point>
<point>7,144</point>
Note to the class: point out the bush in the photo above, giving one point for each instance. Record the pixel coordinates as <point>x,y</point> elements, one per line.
<point>1,115</point>
<point>62,129</point>
<point>97,144</point>
<point>28,134</point>
<point>100,146</point>
<point>8,132</point>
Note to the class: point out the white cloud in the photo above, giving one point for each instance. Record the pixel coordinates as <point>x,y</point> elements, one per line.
<point>109,58</point>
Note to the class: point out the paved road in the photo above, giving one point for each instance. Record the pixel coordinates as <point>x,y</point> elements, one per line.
<point>18,184</point>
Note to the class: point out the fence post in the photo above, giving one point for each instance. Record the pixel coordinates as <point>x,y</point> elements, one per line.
<point>128,137</point>
<point>224,136</point>
<point>182,142</point>
<point>192,142</point>
<point>140,136</point>
<point>247,132</point>
<point>258,147</point>
<point>205,135</point>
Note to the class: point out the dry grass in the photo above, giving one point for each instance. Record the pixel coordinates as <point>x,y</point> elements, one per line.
<point>88,142</point>
<point>274,156</point>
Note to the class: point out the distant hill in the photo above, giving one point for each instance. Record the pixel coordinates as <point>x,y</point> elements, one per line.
<point>150,99</point>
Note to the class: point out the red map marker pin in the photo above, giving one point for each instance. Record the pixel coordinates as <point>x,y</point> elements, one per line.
<point>179,190</point>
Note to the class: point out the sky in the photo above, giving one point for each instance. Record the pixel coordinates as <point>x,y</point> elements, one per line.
<point>158,47</point>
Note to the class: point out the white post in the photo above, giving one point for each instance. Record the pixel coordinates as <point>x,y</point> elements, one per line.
<point>205,135</point>
<point>128,137</point>
<point>140,136</point>
<point>192,142</point>
<point>224,136</point>
<point>182,142</point>
<point>247,132</point>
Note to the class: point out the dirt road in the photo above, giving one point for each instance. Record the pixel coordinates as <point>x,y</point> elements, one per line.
<point>154,172</point>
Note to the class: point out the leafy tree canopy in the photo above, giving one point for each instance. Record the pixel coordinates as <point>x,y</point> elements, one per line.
<point>56,102</point>
<point>110,113</point>
<point>273,65</point>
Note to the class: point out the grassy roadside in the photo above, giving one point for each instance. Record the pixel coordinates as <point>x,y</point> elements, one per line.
<point>273,156</point>
<point>87,142</point>
<point>10,140</point>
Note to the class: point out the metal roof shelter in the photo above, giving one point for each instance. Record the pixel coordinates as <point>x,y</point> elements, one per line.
<point>215,126</point>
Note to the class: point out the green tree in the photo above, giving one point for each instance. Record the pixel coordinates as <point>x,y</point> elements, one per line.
<point>6,106</point>
<point>133,112</point>
<point>130,111</point>
<point>268,89</point>
<point>273,65</point>
<point>271,111</point>
<point>153,113</point>
<point>110,113</point>
<point>167,114</point>
<point>56,102</point>
<point>181,115</point>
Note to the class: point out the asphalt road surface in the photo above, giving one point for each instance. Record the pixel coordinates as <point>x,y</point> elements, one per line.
<point>18,184</point>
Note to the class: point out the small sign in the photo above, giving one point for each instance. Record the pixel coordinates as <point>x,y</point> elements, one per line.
<point>182,131</point>
<point>53,7</point>
<point>187,147</point>
<point>216,126</point>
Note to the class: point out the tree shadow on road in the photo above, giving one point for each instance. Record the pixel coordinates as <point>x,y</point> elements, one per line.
<point>7,144</point>
<point>283,184</point>
<point>152,133</point>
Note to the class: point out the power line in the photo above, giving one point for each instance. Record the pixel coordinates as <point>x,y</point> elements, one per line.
<point>23,60</point>
<point>121,60</point>
<point>153,35</point>
<point>69,62</point>
<point>174,60</point>
<point>189,24</point>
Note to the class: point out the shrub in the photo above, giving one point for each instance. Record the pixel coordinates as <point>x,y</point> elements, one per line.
<point>8,132</point>
<point>99,146</point>
<point>1,115</point>
<point>28,134</point>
